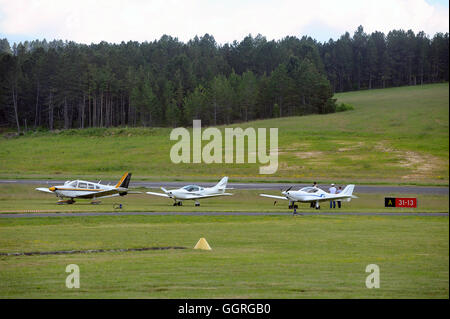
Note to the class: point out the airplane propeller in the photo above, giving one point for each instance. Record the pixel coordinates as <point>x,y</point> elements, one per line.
<point>167,192</point>
<point>287,190</point>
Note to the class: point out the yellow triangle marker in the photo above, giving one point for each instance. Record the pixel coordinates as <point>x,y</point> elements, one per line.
<point>202,244</point>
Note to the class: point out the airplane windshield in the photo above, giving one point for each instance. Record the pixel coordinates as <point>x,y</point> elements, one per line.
<point>310,189</point>
<point>191,188</point>
<point>72,184</point>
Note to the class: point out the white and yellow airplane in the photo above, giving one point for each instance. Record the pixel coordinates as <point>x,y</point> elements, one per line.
<point>88,190</point>
<point>314,195</point>
<point>194,192</point>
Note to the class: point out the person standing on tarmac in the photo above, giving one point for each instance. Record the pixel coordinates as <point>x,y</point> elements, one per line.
<point>312,203</point>
<point>337,192</point>
<point>332,190</point>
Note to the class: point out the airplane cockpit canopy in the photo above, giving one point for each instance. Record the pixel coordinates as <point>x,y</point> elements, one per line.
<point>192,188</point>
<point>71,184</point>
<point>310,189</point>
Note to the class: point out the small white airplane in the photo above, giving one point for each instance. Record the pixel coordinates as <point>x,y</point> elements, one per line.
<point>313,194</point>
<point>194,192</point>
<point>84,189</point>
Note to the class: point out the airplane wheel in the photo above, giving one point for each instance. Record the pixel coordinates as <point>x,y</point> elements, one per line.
<point>180,204</point>
<point>175,204</point>
<point>197,204</point>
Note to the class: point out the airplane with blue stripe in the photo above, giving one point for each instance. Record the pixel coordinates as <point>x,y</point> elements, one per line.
<point>313,194</point>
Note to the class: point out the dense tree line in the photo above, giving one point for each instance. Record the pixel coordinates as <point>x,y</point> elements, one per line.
<point>378,60</point>
<point>168,83</point>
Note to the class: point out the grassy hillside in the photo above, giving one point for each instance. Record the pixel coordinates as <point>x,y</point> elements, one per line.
<point>396,135</point>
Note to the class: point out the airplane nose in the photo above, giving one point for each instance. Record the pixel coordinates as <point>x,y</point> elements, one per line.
<point>52,189</point>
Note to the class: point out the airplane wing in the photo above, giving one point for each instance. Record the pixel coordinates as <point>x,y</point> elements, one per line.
<point>158,194</point>
<point>273,196</point>
<point>44,189</point>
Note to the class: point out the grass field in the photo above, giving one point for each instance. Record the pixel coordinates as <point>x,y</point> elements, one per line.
<point>251,257</point>
<point>393,136</point>
<point>23,198</point>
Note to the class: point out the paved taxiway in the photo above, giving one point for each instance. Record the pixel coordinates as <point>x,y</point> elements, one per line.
<point>363,189</point>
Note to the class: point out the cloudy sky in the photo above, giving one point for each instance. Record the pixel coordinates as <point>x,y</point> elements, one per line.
<point>87,21</point>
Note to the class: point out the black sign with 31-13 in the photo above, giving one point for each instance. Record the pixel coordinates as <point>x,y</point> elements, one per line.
<point>400,202</point>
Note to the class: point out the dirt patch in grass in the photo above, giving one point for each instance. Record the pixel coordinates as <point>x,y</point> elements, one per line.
<point>283,166</point>
<point>421,165</point>
<point>297,148</point>
<point>310,154</point>
<point>348,147</point>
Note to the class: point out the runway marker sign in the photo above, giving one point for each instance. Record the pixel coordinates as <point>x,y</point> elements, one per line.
<point>400,202</point>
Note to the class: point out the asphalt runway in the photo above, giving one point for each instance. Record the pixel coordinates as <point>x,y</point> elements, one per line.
<point>27,215</point>
<point>363,189</point>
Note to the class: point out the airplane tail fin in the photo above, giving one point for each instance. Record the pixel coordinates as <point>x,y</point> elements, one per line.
<point>222,185</point>
<point>348,190</point>
<point>124,181</point>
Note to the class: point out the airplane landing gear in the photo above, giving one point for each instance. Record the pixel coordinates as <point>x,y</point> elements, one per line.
<point>197,204</point>
<point>317,205</point>
<point>180,203</point>
<point>293,206</point>
<point>95,202</point>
